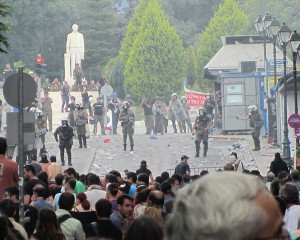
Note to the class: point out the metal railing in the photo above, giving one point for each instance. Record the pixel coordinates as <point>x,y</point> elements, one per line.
<point>197,170</point>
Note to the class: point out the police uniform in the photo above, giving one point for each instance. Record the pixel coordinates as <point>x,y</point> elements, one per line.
<point>64,134</point>
<point>42,130</point>
<point>127,120</point>
<point>81,121</point>
<point>256,122</point>
<point>201,126</point>
<point>158,117</point>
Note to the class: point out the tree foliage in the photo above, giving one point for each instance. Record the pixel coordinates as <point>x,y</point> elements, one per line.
<point>133,30</point>
<point>117,79</point>
<point>189,17</point>
<point>5,11</point>
<point>191,75</point>
<point>228,20</point>
<point>156,61</point>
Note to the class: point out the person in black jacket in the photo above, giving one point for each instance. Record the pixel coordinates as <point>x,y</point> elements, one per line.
<point>103,228</point>
<point>65,134</point>
<point>278,165</point>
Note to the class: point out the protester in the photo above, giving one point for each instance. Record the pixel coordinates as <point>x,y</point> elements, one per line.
<point>278,165</point>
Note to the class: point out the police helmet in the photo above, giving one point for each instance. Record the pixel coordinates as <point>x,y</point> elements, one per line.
<point>174,94</point>
<point>202,111</point>
<point>32,109</point>
<point>114,95</point>
<point>38,114</point>
<point>125,104</point>
<point>157,98</point>
<point>91,120</point>
<point>183,98</point>
<point>64,122</point>
<point>252,108</point>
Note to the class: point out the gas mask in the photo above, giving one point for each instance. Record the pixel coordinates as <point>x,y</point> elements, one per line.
<point>202,112</point>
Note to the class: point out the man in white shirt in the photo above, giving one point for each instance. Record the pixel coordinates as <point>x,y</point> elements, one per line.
<point>290,195</point>
<point>94,191</point>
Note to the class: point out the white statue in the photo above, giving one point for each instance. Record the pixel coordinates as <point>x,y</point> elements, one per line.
<point>74,51</point>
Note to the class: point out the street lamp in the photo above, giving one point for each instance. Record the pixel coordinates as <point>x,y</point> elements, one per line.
<point>284,37</point>
<point>273,30</point>
<point>295,41</point>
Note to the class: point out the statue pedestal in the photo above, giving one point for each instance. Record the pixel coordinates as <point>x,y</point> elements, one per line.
<point>68,72</point>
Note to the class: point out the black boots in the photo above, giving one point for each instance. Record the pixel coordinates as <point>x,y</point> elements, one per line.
<point>131,148</point>
<point>124,148</point>
<point>205,148</point>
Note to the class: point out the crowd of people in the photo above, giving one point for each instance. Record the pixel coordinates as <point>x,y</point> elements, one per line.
<point>232,203</point>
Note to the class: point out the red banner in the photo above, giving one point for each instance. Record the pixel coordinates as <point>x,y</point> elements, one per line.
<point>195,99</point>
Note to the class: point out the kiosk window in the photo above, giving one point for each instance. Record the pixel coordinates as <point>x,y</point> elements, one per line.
<point>234,88</point>
<point>236,99</point>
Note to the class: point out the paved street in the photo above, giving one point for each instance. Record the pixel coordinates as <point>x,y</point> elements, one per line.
<point>161,154</point>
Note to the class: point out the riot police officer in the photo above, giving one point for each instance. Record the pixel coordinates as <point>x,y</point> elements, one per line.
<point>256,123</point>
<point>65,134</point>
<point>41,124</point>
<point>127,120</point>
<point>80,122</point>
<point>200,130</point>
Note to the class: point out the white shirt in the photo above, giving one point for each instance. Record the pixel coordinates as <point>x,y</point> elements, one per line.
<point>94,193</point>
<point>291,218</point>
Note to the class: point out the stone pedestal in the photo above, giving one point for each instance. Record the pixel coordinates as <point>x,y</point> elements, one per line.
<point>68,72</point>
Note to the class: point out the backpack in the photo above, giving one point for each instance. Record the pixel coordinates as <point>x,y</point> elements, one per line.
<point>63,218</point>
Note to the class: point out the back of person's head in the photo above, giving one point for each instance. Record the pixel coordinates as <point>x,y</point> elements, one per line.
<point>275,187</point>
<point>7,207</point>
<point>156,198</point>
<point>282,175</point>
<point>165,175</point>
<point>144,227</point>
<point>12,191</point>
<point>71,172</point>
<point>83,200</point>
<point>47,221</point>
<point>53,158</point>
<point>289,194</point>
<point>3,146</point>
<point>203,172</point>
<point>245,218</point>
<point>111,178</point>
<point>66,201</point>
<point>159,179</point>
<point>177,177</point>
<point>112,188</point>
<point>228,167</point>
<point>122,198</point>
<point>295,174</point>
<point>39,190</point>
<point>186,178</point>
<point>234,154</point>
<point>115,172</point>
<point>29,168</point>
<point>72,183</point>
<point>270,177</point>
<point>59,179</point>
<point>132,175</point>
<point>141,197</point>
<point>103,208</point>
<point>277,155</point>
<point>246,171</point>
<point>143,177</point>
<point>155,213</point>
<point>93,179</point>
<point>166,187</point>
<point>43,176</point>
<point>255,173</point>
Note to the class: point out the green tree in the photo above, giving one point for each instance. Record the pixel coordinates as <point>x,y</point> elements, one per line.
<point>156,61</point>
<point>191,75</point>
<point>117,79</point>
<point>101,34</point>
<point>133,29</point>
<point>228,20</point>
<point>189,17</point>
<point>5,11</point>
